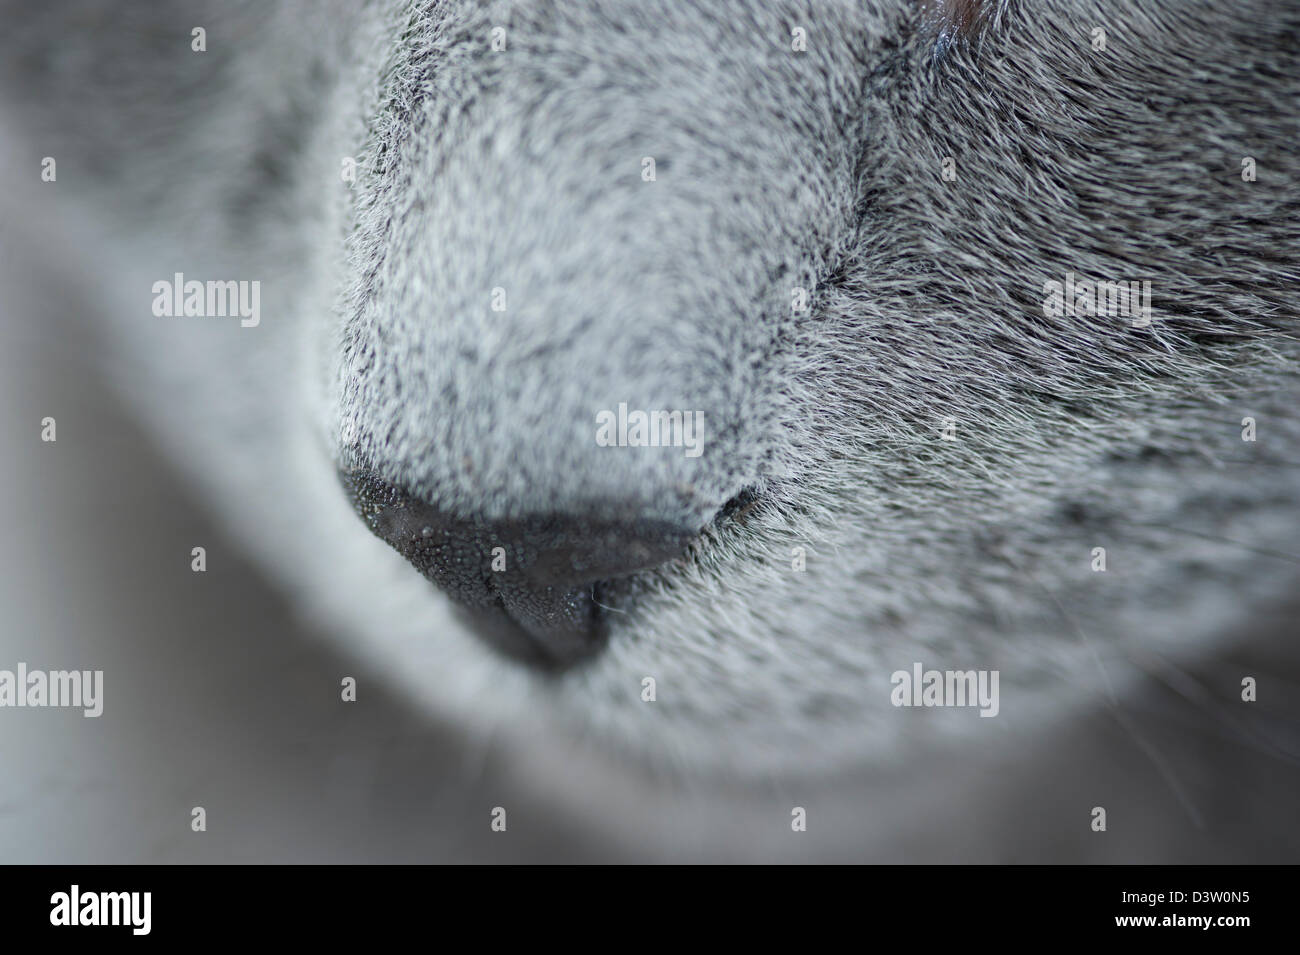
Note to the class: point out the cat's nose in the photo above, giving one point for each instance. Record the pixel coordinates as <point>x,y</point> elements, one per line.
<point>532,584</point>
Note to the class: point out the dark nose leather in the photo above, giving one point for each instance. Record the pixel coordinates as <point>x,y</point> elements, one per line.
<point>531,585</point>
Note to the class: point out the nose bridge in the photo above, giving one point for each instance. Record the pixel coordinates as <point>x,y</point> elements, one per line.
<point>598,226</point>
<point>621,144</point>
<point>558,345</point>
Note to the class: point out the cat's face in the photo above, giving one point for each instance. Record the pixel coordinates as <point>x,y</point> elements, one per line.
<point>740,347</point>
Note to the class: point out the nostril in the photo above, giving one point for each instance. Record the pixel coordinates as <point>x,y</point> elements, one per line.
<point>538,574</point>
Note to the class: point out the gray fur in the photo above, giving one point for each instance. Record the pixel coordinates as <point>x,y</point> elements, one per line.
<point>776,169</point>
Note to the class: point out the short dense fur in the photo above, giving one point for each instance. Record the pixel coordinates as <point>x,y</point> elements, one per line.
<point>775,170</point>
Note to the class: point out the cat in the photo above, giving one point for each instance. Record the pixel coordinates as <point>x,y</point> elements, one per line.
<point>985,312</point>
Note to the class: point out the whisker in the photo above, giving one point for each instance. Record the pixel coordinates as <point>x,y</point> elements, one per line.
<point>1152,753</point>
<point>1186,685</point>
<point>1166,770</point>
<point>1262,551</point>
<point>1260,463</point>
